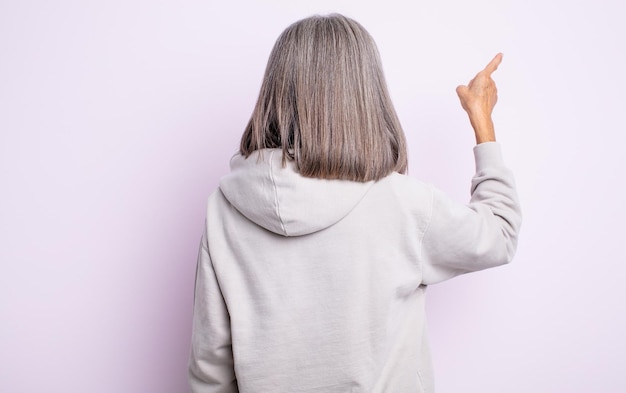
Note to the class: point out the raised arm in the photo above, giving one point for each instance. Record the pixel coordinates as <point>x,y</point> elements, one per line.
<point>483,233</point>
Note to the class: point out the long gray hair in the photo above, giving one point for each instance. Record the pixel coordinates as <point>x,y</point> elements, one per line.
<point>324,101</point>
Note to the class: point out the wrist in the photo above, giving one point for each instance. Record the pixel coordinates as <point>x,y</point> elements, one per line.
<point>483,129</point>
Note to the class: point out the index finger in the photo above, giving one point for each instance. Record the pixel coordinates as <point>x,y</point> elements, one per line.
<point>493,64</point>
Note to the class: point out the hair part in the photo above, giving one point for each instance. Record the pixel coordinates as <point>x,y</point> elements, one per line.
<point>324,101</point>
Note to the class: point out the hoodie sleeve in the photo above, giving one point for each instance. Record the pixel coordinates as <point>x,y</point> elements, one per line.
<point>482,234</point>
<point>211,368</point>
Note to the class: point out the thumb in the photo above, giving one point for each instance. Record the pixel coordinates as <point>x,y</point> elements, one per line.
<point>461,91</point>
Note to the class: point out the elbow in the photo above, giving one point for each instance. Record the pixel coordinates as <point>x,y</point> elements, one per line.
<point>506,233</point>
<point>510,233</point>
<point>499,248</point>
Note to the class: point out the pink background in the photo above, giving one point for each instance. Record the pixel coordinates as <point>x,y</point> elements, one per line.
<point>117,118</point>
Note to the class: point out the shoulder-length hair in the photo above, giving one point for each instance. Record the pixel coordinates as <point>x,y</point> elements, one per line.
<point>324,101</point>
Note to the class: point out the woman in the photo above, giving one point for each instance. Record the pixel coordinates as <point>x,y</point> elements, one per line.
<point>318,248</point>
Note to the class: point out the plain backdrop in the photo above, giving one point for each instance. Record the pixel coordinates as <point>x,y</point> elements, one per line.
<point>117,119</point>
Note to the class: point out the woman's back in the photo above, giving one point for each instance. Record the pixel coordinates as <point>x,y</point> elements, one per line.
<point>315,285</point>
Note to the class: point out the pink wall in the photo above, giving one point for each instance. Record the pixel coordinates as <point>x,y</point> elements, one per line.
<point>117,119</point>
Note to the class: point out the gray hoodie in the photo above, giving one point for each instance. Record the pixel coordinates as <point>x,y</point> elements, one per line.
<point>311,285</point>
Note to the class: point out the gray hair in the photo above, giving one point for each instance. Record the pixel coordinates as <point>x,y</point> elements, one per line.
<point>324,101</point>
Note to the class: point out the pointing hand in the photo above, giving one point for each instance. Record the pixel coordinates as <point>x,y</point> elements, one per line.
<point>478,98</point>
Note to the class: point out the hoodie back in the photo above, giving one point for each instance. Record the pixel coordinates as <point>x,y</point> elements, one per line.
<point>311,285</point>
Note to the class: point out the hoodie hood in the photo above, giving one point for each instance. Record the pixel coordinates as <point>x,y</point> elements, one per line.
<point>279,199</point>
